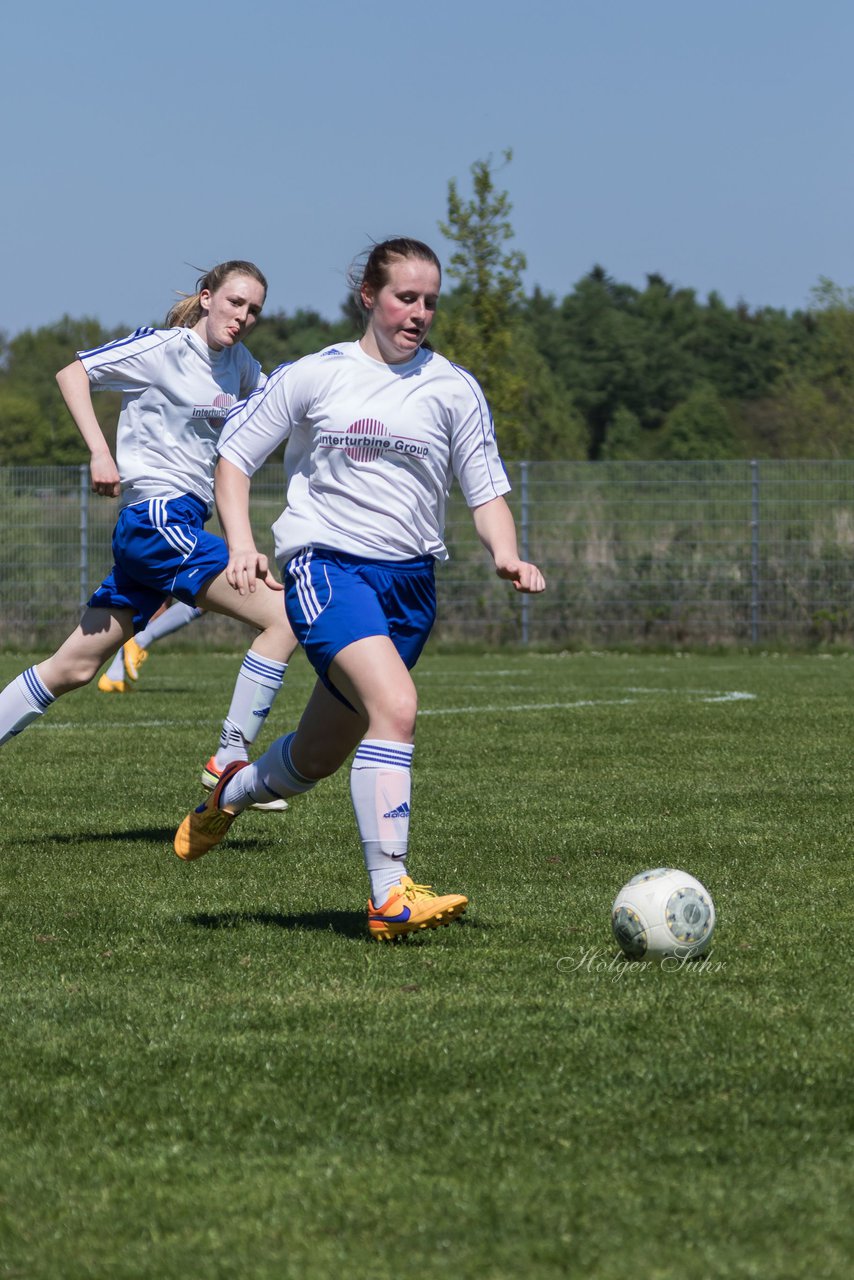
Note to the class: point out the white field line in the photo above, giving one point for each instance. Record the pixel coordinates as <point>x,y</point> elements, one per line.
<point>733,695</point>
<point>527,706</point>
<point>124,724</point>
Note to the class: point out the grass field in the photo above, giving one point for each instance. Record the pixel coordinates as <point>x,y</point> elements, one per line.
<point>208,1071</point>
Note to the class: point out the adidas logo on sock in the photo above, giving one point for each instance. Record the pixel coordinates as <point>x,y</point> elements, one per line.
<point>402,811</point>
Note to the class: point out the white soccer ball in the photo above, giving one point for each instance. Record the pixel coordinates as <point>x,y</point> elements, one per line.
<point>663,912</point>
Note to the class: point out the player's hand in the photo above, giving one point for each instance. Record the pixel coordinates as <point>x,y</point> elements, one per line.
<point>524,576</point>
<point>105,475</point>
<point>246,567</point>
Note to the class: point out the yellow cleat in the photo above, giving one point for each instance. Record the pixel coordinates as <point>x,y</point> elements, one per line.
<point>411,907</point>
<point>207,825</point>
<point>106,685</point>
<point>134,658</point>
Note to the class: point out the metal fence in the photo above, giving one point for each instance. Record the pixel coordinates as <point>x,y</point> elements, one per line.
<point>634,552</point>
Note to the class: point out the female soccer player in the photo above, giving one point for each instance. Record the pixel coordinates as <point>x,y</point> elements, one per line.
<point>376,430</point>
<point>177,384</point>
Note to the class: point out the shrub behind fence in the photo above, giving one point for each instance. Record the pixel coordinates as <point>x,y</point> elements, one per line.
<point>664,553</point>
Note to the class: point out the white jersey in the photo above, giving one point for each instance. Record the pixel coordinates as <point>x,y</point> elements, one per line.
<point>372,450</point>
<point>176,395</point>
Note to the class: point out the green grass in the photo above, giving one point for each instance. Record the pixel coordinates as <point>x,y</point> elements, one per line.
<point>208,1071</point>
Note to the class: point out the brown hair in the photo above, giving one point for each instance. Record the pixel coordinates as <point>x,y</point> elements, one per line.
<point>188,311</point>
<point>371,268</point>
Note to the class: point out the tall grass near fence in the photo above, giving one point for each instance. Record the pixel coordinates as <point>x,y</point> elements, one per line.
<point>699,553</point>
<point>661,553</point>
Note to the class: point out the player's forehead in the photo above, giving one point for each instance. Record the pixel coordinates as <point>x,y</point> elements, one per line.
<point>415,274</point>
<point>238,284</point>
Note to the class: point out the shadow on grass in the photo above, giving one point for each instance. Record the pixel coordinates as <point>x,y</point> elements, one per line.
<point>149,835</point>
<point>349,923</point>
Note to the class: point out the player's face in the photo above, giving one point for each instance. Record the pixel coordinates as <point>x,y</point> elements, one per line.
<point>230,311</point>
<point>402,311</point>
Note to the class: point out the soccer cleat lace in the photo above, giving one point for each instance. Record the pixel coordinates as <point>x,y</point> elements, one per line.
<point>211,776</point>
<point>106,685</point>
<point>411,907</point>
<point>134,658</point>
<point>207,825</point>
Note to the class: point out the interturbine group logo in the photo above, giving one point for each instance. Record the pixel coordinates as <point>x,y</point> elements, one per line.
<point>367,439</point>
<point>217,411</point>
<point>372,443</point>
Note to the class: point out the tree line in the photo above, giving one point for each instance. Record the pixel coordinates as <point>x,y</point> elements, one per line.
<point>607,372</point>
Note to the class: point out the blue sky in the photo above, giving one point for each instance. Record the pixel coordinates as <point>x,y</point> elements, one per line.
<point>710,142</point>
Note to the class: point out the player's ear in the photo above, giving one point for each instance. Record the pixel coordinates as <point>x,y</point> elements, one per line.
<point>205,299</point>
<point>366,293</point>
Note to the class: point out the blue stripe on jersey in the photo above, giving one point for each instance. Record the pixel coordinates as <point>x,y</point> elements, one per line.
<point>487,430</point>
<point>247,406</point>
<point>143,332</point>
<point>41,696</point>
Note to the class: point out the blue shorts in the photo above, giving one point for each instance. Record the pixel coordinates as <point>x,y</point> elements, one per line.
<point>161,549</point>
<point>333,599</point>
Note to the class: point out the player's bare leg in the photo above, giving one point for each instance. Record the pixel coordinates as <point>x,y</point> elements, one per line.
<point>100,633</point>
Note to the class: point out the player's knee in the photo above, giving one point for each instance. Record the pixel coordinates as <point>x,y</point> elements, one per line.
<point>268,615</point>
<point>82,673</point>
<point>70,674</point>
<point>397,713</point>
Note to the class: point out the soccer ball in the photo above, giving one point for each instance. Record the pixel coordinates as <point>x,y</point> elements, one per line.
<point>663,912</point>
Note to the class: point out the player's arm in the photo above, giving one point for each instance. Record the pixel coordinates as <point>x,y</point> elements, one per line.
<point>245,563</point>
<point>497,531</point>
<point>73,382</point>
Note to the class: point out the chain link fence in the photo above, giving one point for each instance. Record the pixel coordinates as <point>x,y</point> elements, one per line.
<point>668,553</point>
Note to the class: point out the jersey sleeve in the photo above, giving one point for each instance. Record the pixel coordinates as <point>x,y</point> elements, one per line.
<point>475,460</point>
<point>128,364</point>
<point>257,425</point>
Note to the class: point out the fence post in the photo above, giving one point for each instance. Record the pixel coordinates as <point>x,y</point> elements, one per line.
<point>754,552</point>
<point>523,546</point>
<point>84,536</point>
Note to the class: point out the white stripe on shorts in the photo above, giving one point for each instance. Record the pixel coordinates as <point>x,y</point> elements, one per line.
<point>183,543</point>
<point>300,570</point>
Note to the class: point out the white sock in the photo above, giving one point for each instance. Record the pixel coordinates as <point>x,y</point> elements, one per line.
<point>381,791</point>
<point>271,777</point>
<point>175,617</point>
<point>22,702</point>
<point>116,669</point>
<point>258,681</point>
